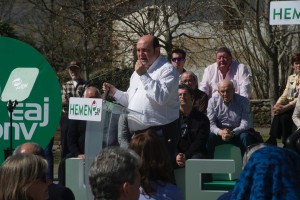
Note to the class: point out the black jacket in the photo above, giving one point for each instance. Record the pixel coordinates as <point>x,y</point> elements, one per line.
<point>197,127</point>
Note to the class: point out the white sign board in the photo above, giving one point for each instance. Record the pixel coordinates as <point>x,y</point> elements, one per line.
<point>284,12</point>
<point>88,109</point>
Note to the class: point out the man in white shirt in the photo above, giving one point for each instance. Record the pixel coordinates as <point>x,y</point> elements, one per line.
<point>226,69</point>
<point>152,93</point>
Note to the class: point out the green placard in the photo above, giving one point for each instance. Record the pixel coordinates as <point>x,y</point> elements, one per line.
<point>36,118</point>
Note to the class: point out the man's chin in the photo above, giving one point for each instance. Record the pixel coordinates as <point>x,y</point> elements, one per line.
<point>144,62</point>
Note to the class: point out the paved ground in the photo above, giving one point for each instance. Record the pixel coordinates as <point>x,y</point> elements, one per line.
<point>264,131</point>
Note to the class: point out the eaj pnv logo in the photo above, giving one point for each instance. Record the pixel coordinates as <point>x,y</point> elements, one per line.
<point>27,77</point>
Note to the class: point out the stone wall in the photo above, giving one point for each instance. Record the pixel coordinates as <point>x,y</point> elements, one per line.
<point>261,112</point>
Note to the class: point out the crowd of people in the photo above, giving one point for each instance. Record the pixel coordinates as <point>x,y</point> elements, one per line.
<point>178,120</point>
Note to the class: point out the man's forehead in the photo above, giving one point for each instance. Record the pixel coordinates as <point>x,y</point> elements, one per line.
<point>187,76</point>
<point>176,54</point>
<point>143,42</point>
<point>222,54</point>
<point>225,87</point>
<point>182,90</point>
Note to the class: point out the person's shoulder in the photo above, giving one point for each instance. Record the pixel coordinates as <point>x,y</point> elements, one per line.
<point>59,192</point>
<point>293,76</point>
<point>69,82</point>
<point>239,65</point>
<point>226,196</point>
<point>172,191</point>
<point>197,114</point>
<point>199,93</point>
<point>166,66</point>
<point>241,99</point>
<point>212,66</point>
<point>215,96</point>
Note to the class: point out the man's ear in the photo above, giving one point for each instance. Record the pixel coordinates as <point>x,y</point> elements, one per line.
<point>157,51</point>
<point>125,189</point>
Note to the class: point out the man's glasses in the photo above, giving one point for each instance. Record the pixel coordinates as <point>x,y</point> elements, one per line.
<point>177,59</point>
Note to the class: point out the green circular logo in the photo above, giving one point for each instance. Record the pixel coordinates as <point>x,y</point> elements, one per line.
<point>28,78</point>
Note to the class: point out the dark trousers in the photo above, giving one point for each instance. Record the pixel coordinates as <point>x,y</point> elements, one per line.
<point>282,125</point>
<point>64,125</point>
<point>49,158</point>
<point>241,140</point>
<point>293,141</point>
<point>169,133</point>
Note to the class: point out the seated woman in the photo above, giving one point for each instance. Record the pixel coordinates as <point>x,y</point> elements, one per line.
<point>293,141</point>
<point>271,173</point>
<point>282,124</point>
<point>23,176</point>
<point>157,178</point>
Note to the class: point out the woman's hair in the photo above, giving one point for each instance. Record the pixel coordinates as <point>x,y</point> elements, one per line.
<point>295,57</point>
<point>271,173</point>
<point>17,174</point>
<point>156,163</point>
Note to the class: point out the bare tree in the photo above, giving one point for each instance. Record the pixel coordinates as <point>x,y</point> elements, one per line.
<point>66,30</point>
<point>174,22</point>
<point>266,49</point>
<point>103,34</point>
<point>200,27</point>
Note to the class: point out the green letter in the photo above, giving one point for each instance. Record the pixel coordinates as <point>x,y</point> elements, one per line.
<point>296,15</point>
<point>71,108</point>
<point>279,13</point>
<point>287,13</point>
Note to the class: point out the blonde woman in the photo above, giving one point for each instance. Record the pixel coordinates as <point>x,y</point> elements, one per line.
<point>23,177</point>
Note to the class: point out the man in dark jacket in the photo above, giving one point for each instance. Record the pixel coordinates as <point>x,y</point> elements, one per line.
<point>194,128</point>
<point>76,136</point>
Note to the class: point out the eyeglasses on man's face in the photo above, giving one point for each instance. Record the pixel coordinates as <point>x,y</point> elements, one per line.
<point>177,59</point>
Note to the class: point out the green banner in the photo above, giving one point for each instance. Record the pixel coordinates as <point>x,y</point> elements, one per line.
<point>26,73</point>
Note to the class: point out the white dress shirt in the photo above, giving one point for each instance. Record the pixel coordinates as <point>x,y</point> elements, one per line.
<point>154,94</point>
<point>238,74</point>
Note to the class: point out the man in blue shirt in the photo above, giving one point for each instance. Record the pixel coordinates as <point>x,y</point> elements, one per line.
<point>228,114</point>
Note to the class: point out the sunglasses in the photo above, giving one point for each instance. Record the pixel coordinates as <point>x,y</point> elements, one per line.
<point>177,59</point>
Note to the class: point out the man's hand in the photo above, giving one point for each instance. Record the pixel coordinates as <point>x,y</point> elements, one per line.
<point>225,134</point>
<point>64,101</point>
<point>140,68</point>
<point>81,156</point>
<point>180,159</point>
<point>109,87</point>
